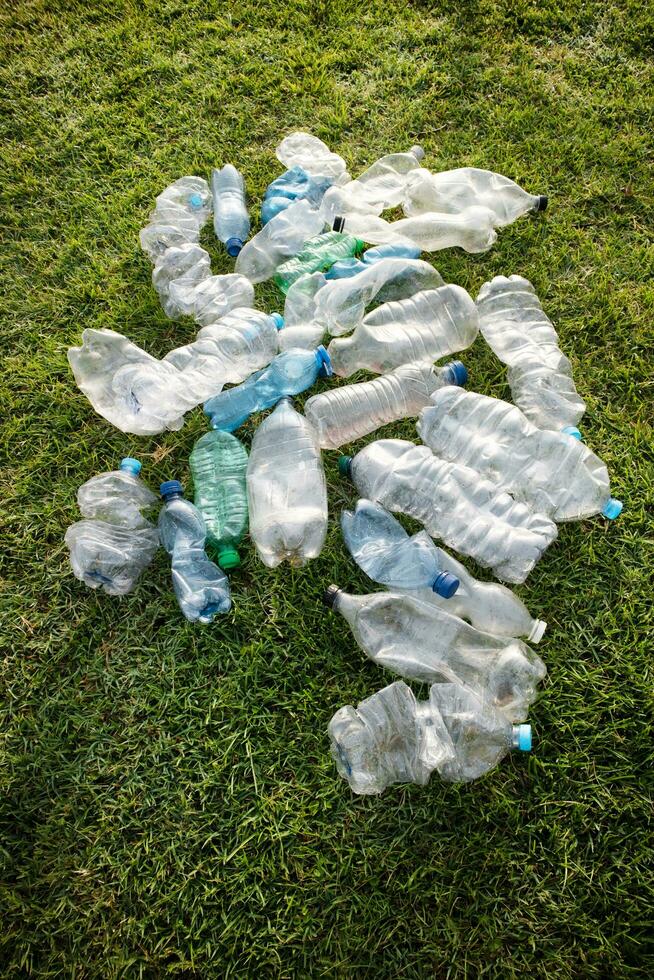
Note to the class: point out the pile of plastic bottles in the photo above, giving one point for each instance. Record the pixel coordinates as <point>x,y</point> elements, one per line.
<point>489,479</point>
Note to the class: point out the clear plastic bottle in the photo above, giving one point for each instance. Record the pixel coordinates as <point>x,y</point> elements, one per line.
<point>304,150</point>
<point>550,471</point>
<point>381,547</point>
<point>218,466</point>
<point>293,185</point>
<point>290,373</point>
<point>230,216</point>
<point>207,300</point>
<point>381,186</point>
<point>116,543</point>
<point>421,641</point>
<point>516,328</point>
<point>424,327</point>
<point>318,254</point>
<point>471,230</point>
<point>341,306</point>
<point>453,503</point>
<point>342,415</point>
<point>302,326</point>
<point>279,240</point>
<point>202,589</point>
<point>452,191</point>
<point>185,266</point>
<point>287,491</point>
<point>181,211</point>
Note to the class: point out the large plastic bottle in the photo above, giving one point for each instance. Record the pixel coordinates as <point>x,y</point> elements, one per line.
<point>318,254</point>
<point>202,589</point>
<point>382,548</point>
<point>138,393</point>
<point>342,305</point>
<point>218,466</point>
<point>293,185</point>
<point>429,325</point>
<point>515,326</point>
<point>421,641</point>
<point>551,471</point>
<point>452,191</point>
<point>116,543</point>
<point>181,211</point>
<point>279,240</point>
<point>287,491</point>
<point>304,150</point>
<point>454,503</point>
<point>344,414</point>
<point>290,373</point>
<point>230,216</point>
<point>471,230</point>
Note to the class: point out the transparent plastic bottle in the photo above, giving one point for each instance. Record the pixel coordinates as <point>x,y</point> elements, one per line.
<point>318,254</point>
<point>452,191</point>
<point>381,186</point>
<point>279,240</point>
<point>218,466</point>
<point>207,300</point>
<point>116,543</point>
<point>304,150</point>
<point>293,185</point>
<point>181,211</point>
<point>290,373</point>
<point>421,641</point>
<point>550,471</point>
<point>185,266</point>
<point>302,326</point>
<point>381,547</point>
<point>341,305</point>
<point>516,328</point>
<point>428,325</point>
<point>488,606</point>
<point>471,229</point>
<point>230,216</point>
<point>342,415</point>
<point>202,589</point>
<point>287,491</point>
<point>453,503</point>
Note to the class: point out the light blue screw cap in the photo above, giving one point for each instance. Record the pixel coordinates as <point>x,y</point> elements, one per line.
<point>170,488</point>
<point>612,509</point>
<point>130,465</point>
<point>522,738</point>
<point>278,320</point>
<point>445,585</point>
<point>234,246</point>
<point>324,362</point>
<point>195,200</point>
<point>572,430</point>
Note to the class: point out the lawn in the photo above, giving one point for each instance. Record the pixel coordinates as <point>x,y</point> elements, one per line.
<point>168,806</point>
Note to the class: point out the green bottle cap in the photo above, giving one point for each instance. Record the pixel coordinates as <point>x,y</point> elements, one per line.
<point>229,558</point>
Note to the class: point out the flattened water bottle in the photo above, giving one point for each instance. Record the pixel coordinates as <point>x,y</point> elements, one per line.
<point>230,217</point>
<point>452,191</point>
<point>218,465</point>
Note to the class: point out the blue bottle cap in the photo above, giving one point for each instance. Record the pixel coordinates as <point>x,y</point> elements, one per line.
<point>278,320</point>
<point>612,508</point>
<point>522,738</point>
<point>195,200</point>
<point>234,246</point>
<point>572,430</point>
<point>170,488</point>
<point>324,361</point>
<point>459,372</point>
<point>345,465</point>
<point>445,585</point>
<point>130,465</point>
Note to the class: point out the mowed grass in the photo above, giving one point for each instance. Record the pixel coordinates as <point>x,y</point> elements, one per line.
<point>168,805</point>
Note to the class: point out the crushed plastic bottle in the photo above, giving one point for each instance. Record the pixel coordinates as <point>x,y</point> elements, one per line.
<point>472,229</point>
<point>140,394</point>
<point>381,186</point>
<point>318,254</point>
<point>429,325</point>
<point>293,185</point>
<point>550,471</point>
<point>231,221</point>
<point>392,738</point>
<point>207,300</point>
<point>454,503</point>
<point>452,191</point>
<point>302,326</point>
<point>341,306</point>
<point>345,269</point>
<point>218,466</point>
<point>116,543</point>
<point>517,329</point>
<point>290,373</point>
<point>185,266</point>
<point>279,240</point>
<point>202,589</point>
<point>342,415</point>
<point>312,155</point>
<point>423,642</point>
<point>382,548</point>
<point>287,491</point>
<point>181,211</point>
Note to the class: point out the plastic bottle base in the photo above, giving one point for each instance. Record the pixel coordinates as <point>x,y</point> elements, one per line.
<point>537,631</point>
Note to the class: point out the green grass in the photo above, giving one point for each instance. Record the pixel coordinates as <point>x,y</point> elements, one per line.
<point>167,803</point>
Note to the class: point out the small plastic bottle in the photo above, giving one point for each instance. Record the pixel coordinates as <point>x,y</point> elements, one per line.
<point>218,466</point>
<point>317,255</point>
<point>230,216</point>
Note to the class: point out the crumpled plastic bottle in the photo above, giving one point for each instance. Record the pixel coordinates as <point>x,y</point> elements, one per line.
<point>301,149</point>
<point>181,211</point>
<point>473,229</point>
<point>424,642</point>
<point>302,327</point>
<point>381,186</point>
<point>279,240</point>
<point>207,300</point>
<point>202,589</point>
<point>452,191</point>
<point>381,547</point>
<point>116,543</point>
<point>293,185</point>
<point>517,329</point>
<point>550,471</point>
<point>218,465</point>
<point>231,221</point>
<point>290,373</point>
<point>185,266</point>
<point>317,254</point>
<point>429,325</point>
<point>454,503</point>
<point>287,491</point>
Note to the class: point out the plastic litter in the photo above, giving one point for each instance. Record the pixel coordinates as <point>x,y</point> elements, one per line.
<point>452,191</point>
<point>218,466</point>
<point>279,240</point>
<point>231,221</point>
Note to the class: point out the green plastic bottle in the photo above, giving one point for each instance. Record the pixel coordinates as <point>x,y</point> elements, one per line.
<point>218,464</point>
<point>318,254</point>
